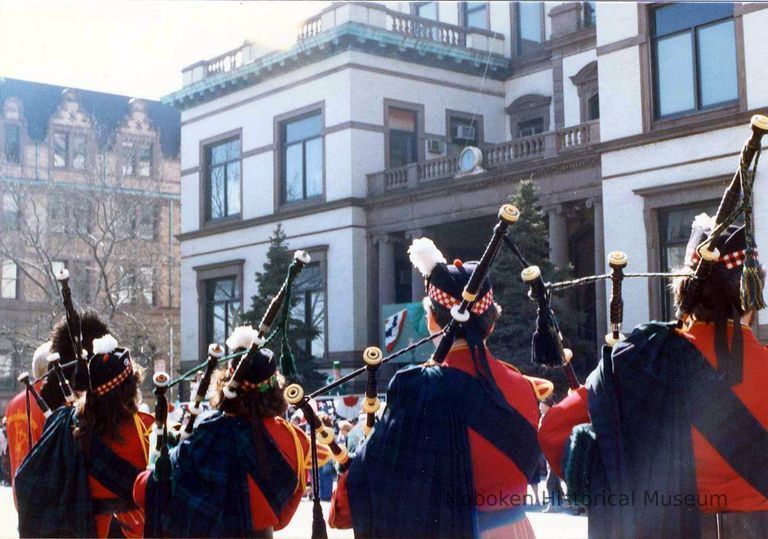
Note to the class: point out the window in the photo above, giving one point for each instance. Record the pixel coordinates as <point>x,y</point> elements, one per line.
<point>309,294</point>
<point>8,279</point>
<point>425,10</point>
<point>588,18</point>
<point>674,231</point>
<point>529,25</point>
<point>222,178</point>
<point>463,131</point>
<point>144,164</point>
<point>146,285</point>
<point>57,216</point>
<point>12,143</point>
<point>127,158</point>
<point>402,137</point>
<point>475,15</point>
<point>144,226</point>
<point>9,211</point>
<point>79,149</point>
<point>593,107</point>
<point>530,127</point>
<point>694,58</point>
<point>79,281</point>
<point>60,149</point>
<point>302,158</point>
<point>221,308</point>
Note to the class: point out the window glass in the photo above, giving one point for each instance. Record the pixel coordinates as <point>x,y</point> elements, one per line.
<point>222,178</point>
<point>589,14</point>
<point>717,63</point>
<point>427,10</point>
<point>476,15</point>
<point>675,230</point>
<point>145,160</point>
<point>302,158</point>
<point>529,25</point>
<point>464,132</point>
<point>674,74</point>
<point>8,277</point>
<point>593,107</point>
<point>145,227</point>
<point>403,120</point>
<point>128,158</point>
<point>221,309</point>
<point>694,46</point>
<point>147,285</point>
<point>530,127</point>
<point>12,144</point>
<point>309,291</point>
<point>402,137</point>
<point>60,150</point>
<point>9,211</point>
<point>78,151</point>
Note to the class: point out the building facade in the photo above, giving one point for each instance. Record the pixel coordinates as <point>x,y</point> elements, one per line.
<point>89,182</point>
<point>350,140</point>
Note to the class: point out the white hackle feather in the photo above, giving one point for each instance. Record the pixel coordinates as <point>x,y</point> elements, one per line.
<point>425,255</point>
<point>105,344</point>
<point>703,221</point>
<point>241,337</point>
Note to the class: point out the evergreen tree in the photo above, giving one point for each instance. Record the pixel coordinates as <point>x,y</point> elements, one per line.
<point>269,280</point>
<point>511,339</point>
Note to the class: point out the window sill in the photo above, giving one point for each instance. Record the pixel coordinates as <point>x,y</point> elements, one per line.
<point>298,205</point>
<point>696,117</point>
<point>221,223</point>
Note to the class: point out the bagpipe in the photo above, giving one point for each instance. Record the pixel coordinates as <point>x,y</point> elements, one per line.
<point>74,331</point>
<point>736,200</point>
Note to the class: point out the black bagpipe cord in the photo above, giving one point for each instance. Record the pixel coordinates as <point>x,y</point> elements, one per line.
<point>29,420</point>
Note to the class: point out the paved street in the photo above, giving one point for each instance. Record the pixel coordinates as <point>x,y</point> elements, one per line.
<point>547,526</point>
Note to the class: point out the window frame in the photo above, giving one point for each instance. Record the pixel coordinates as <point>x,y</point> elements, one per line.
<point>476,119</point>
<point>10,223</point>
<point>464,10</point>
<point>649,72</point>
<point>515,38</point>
<point>17,126</point>
<point>415,6</point>
<point>280,123</point>
<point>204,274</point>
<point>204,180</point>
<point>319,255</point>
<point>15,279</point>
<point>416,108</point>
<point>66,133</point>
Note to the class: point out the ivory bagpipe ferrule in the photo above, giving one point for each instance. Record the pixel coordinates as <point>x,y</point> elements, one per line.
<point>215,352</point>
<point>617,261</point>
<point>538,292</point>
<point>54,360</point>
<point>707,251</point>
<point>300,261</point>
<point>372,358</point>
<point>507,215</point>
<point>24,379</point>
<point>294,395</point>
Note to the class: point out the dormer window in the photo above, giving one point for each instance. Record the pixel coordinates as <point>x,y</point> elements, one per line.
<point>79,150</point>
<point>136,158</point>
<point>60,149</point>
<point>12,144</point>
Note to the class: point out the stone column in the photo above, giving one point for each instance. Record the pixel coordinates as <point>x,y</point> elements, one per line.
<point>601,315</point>
<point>558,237</point>
<point>417,281</point>
<point>386,270</point>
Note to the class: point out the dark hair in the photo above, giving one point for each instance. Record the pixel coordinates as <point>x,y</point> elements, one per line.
<point>721,293</point>
<point>253,404</point>
<point>92,327</point>
<point>104,415</point>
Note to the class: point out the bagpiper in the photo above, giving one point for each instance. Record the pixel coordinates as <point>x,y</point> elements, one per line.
<point>456,446</point>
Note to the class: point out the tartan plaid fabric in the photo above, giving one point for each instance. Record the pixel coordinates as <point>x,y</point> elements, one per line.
<point>114,382</point>
<point>209,470</point>
<point>446,300</point>
<point>51,485</point>
<point>731,260</point>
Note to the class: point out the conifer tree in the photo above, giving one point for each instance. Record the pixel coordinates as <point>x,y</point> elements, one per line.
<point>269,280</point>
<point>511,339</point>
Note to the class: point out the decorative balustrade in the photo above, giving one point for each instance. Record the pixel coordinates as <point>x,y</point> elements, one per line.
<point>520,150</point>
<point>427,29</point>
<point>309,28</point>
<point>224,63</point>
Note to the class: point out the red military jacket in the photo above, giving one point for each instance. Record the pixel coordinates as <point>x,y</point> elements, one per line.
<point>714,476</point>
<point>294,446</point>
<point>495,475</point>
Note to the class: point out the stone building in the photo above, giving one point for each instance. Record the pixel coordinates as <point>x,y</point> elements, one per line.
<point>89,181</point>
<point>350,139</point>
